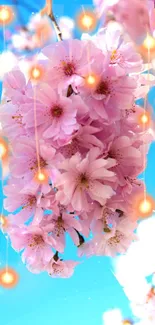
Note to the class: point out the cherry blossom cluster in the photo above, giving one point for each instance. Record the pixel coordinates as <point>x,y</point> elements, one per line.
<point>137,16</point>
<point>79,127</point>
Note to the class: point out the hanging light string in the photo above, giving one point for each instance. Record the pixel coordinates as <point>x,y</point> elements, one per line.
<point>145,110</point>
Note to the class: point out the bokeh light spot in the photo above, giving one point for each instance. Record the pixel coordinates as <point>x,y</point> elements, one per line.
<point>36,73</point>
<point>8,278</point>
<point>6,15</point>
<point>87,21</point>
<point>144,119</point>
<point>149,42</point>
<point>3,149</point>
<point>41,177</point>
<point>145,206</point>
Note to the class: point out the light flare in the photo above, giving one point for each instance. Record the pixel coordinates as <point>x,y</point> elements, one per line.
<point>144,206</point>
<point>41,177</point>
<point>36,73</point>
<point>8,278</point>
<point>91,80</point>
<point>87,21</point>
<point>3,149</point>
<point>149,42</point>
<point>144,119</point>
<point>3,222</point>
<point>6,15</point>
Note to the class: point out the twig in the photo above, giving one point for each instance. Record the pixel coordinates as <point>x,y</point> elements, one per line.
<point>56,26</point>
<point>48,10</point>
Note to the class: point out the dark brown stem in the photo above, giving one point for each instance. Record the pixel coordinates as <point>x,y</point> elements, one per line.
<point>56,256</point>
<point>70,91</point>
<point>81,238</point>
<point>120,212</point>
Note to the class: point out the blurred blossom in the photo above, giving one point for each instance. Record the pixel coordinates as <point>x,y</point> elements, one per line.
<point>67,26</point>
<point>41,26</point>
<point>7,61</point>
<point>112,316</point>
<point>22,41</point>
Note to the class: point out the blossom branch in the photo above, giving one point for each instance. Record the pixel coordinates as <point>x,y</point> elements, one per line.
<point>56,26</point>
<point>49,11</point>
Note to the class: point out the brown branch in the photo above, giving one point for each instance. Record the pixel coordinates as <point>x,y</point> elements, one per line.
<point>56,26</point>
<point>47,10</point>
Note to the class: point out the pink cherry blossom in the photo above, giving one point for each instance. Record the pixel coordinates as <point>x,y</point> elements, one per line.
<point>34,241</point>
<point>87,139</point>
<point>123,57</point>
<point>58,225</point>
<point>56,113</point>
<point>16,87</point>
<point>104,220</point>
<point>67,61</point>
<point>132,14</point>
<point>25,164</point>
<point>110,94</point>
<point>59,268</point>
<point>84,180</point>
<point>12,120</point>
<point>115,241</point>
<point>16,199</point>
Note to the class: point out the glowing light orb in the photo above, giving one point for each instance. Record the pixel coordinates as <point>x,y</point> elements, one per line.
<point>145,206</point>
<point>8,278</point>
<point>3,149</point>
<point>3,222</point>
<point>87,21</point>
<point>6,15</point>
<point>149,42</point>
<point>126,322</point>
<point>91,80</point>
<point>36,73</point>
<point>144,119</point>
<point>41,177</point>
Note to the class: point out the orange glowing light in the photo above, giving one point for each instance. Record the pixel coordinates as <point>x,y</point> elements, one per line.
<point>144,119</point>
<point>144,206</point>
<point>87,21</point>
<point>149,42</point>
<point>36,73</point>
<point>41,177</point>
<point>6,15</point>
<point>8,278</point>
<point>126,322</point>
<point>91,80</point>
<point>3,149</point>
<point>3,222</point>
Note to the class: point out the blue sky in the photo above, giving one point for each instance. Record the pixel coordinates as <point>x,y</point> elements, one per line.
<point>82,299</point>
